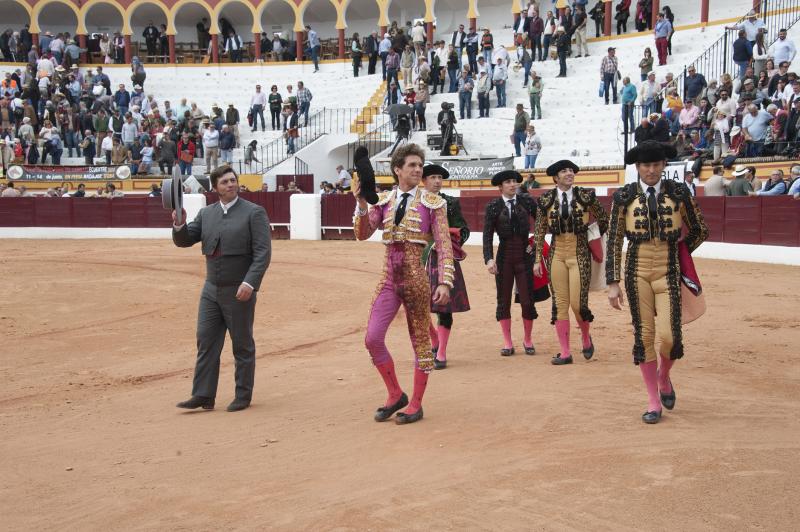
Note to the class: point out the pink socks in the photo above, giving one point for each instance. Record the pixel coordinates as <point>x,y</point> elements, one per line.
<point>420,383</point>
<point>444,336</point>
<point>562,331</point>
<point>505,325</point>
<point>663,375</point>
<point>585,338</point>
<point>650,376</point>
<point>528,326</point>
<point>390,379</point>
<point>434,336</point>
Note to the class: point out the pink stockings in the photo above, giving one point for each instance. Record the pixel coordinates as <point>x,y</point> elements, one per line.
<point>505,326</point>
<point>664,383</point>
<point>420,383</point>
<point>439,337</point>
<point>650,376</point>
<point>562,331</point>
<point>585,338</point>
<point>390,379</point>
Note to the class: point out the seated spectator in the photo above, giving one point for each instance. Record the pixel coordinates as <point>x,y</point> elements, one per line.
<point>155,191</point>
<point>10,191</point>
<point>794,182</point>
<point>112,192</point>
<point>343,178</point>
<point>688,180</point>
<point>775,186</point>
<point>530,183</point>
<point>81,192</point>
<point>755,182</point>
<point>689,118</point>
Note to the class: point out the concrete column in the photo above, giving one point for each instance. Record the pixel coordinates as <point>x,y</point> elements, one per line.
<point>171,45</point>
<point>341,43</point>
<point>257,43</point>
<point>607,20</point>
<point>215,48</point>
<point>82,44</point>
<point>656,9</point>
<point>298,37</point>
<point>128,50</point>
<point>704,11</point>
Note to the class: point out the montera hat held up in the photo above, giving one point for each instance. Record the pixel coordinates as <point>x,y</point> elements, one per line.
<point>650,151</point>
<point>557,166</point>
<point>499,177</point>
<point>172,195</point>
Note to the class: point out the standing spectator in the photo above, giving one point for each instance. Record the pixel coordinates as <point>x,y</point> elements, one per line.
<point>452,68</point>
<point>232,121</point>
<point>472,42</point>
<point>458,41</point>
<point>135,156</point>
<point>521,121</point>
<point>694,85</point>
<point>782,50</point>
<point>383,50</point>
<point>671,19</point>
<point>740,186</point>
<point>598,14</point>
<point>609,72</point>
<point>130,131</point>
<point>648,94</point>
<point>355,54</point>
<point>623,13</point>
<point>465,86</point>
<point>371,45</point>
<point>716,184</point>
<point>147,157</point>
<point>106,146</point>
<point>292,125</point>
<point>499,77</point>
<point>754,128</point>
<point>392,64</point>
<point>89,147</point>
<point>628,98</point>
<point>211,147</point>
<point>548,35</point>
<point>407,61</point>
<point>562,47</point>
<point>418,37</point>
<point>646,63</point>
<point>535,31</point>
<point>186,151</point>
<point>535,93</point>
<point>313,45</point>
<point>484,87</point>
<point>533,145</point>
<point>56,147</point>
<point>487,48</point>
<point>643,17</point>
<point>203,35</point>
<point>420,104</point>
<point>525,58</point>
<point>257,103</point>
<point>119,153</point>
<point>122,99</point>
<point>275,102</point>
<point>150,35</point>
<point>751,26</point>
<point>742,53</point>
<point>304,97</point>
<point>233,47</point>
<point>689,118</point>
<point>721,126</point>
<point>227,142</point>
<point>760,55</point>
<point>579,30</point>
<point>167,152</point>
<point>662,32</point>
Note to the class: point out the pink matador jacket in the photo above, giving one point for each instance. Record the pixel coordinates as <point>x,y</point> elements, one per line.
<point>425,221</point>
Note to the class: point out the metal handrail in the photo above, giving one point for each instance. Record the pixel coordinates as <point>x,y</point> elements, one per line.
<point>300,166</point>
<point>717,59</point>
<point>375,141</point>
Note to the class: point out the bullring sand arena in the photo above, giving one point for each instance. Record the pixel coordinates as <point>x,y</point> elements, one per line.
<point>98,346</point>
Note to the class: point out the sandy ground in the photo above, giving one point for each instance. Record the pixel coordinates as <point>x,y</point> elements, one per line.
<point>98,346</point>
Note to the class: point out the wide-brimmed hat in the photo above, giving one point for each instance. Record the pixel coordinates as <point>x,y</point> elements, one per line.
<point>735,131</point>
<point>739,170</point>
<point>435,169</point>
<point>172,195</point>
<point>499,177</point>
<point>557,166</point>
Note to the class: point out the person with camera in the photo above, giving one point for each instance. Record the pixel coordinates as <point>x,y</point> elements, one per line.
<point>446,121</point>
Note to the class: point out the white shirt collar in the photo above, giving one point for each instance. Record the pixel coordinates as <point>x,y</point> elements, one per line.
<point>227,206</point>
<point>506,199</point>
<point>644,186</point>
<point>400,193</point>
<point>561,192</point>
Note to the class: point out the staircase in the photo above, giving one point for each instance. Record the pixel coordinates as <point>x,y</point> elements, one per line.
<point>370,111</point>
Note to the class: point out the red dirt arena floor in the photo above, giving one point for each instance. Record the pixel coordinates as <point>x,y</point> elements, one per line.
<point>98,346</point>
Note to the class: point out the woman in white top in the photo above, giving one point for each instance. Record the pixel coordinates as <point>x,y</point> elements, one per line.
<point>533,145</point>
<point>721,127</point>
<point>760,55</point>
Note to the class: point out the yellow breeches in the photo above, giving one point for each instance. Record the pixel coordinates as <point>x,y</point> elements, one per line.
<point>565,277</point>
<point>654,302</point>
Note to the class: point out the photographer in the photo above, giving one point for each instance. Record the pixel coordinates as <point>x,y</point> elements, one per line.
<point>446,121</point>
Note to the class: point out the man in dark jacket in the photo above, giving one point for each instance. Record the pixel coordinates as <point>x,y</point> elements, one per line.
<point>660,131</point>
<point>371,49</point>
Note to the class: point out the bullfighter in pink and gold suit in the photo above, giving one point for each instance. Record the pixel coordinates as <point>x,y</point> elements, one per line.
<point>411,218</point>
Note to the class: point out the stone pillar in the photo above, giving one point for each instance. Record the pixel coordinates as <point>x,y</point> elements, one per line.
<point>704,11</point>
<point>473,24</point>
<point>757,6</point>
<point>382,30</point>
<point>429,31</point>
<point>656,9</point>
<point>128,51</point>
<point>607,20</point>
<point>257,46</point>
<point>341,43</point>
<point>35,40</point>
<point>298,37</point>
<point>171,45</point>
<point>82,44</point>
<point>215,48</point>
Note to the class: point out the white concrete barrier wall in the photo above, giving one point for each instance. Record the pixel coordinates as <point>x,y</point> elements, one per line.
<point>305,211</point>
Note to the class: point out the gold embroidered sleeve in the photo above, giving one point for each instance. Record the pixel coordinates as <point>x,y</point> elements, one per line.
<point>616,235</point>
<point>599,213</point>
<point>693,218</point>
<point>539,232</point>
<point>365,224</point>
<point>444,247</point>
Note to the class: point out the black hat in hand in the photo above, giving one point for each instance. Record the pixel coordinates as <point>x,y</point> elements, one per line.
<point>366,175</point>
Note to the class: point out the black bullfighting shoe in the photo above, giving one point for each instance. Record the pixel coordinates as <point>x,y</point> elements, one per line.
<point>385,412</point>
<point>588,352</point>
<point>559,361</point>
<point>506,352</point>
<point>404,419</point>
<point>529,349</point>
<point>651,418</point>
<point>668,399</point>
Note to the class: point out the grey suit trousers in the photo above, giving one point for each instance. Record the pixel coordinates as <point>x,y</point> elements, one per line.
<point>220,312</point>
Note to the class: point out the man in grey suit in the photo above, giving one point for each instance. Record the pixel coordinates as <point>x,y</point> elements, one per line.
<point>235,238</point>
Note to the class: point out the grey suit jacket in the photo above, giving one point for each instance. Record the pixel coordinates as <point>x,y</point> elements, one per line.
<point>240,238</point>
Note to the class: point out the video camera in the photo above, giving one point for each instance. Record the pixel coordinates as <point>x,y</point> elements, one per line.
<point>447,106</point>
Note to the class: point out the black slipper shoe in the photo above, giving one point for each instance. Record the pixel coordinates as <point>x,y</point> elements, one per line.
<point>385,412</point>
